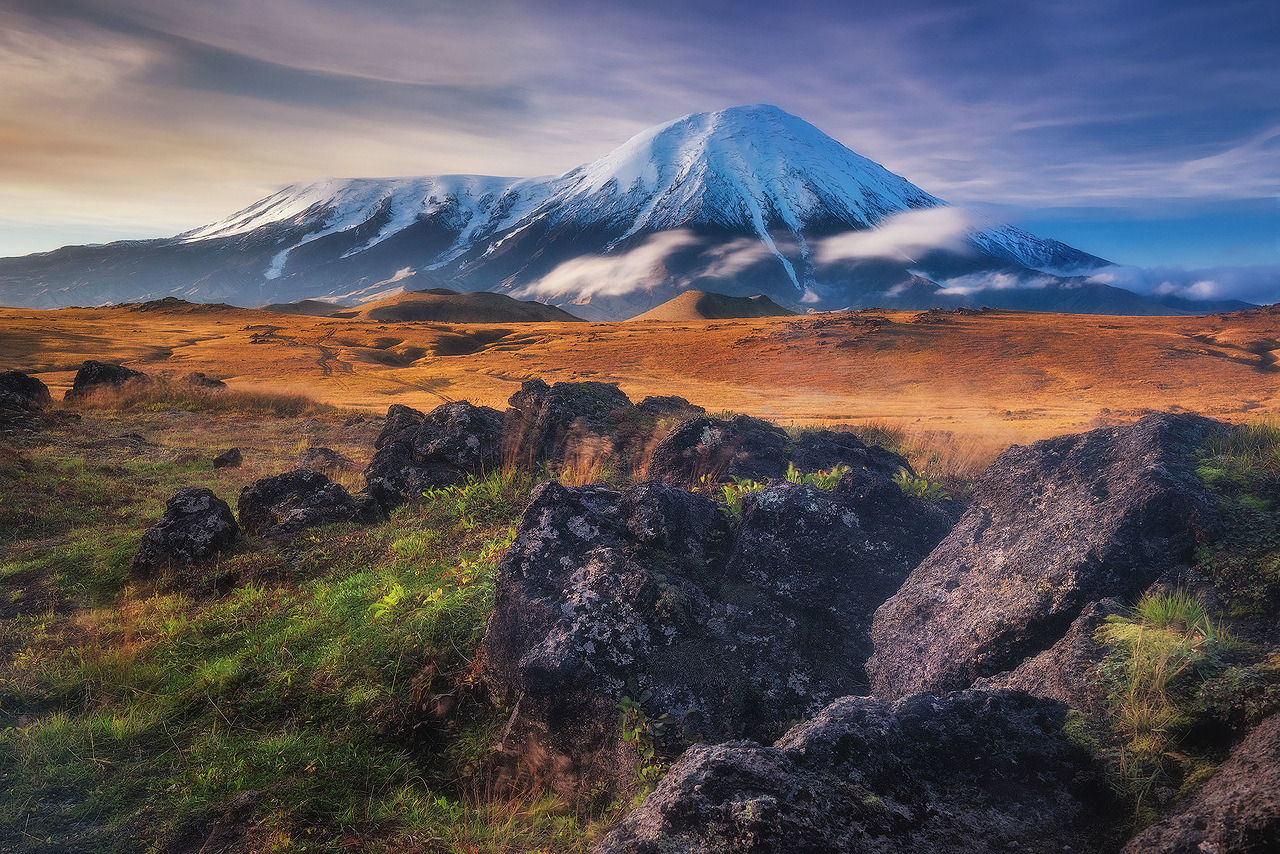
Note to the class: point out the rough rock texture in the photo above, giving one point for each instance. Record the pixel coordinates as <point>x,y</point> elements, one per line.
<point>665,406</point>
<point>32,393</point>
<point>548,423</point>
<point>974,772</point>
<point>743,447</point>
<point>1052,527</point>
<point>93,374</point>
<point>200,379</point>
<point>196,526</point>
<point>828,560</point>
<point>417,452</point>
<point>603,596</point>
<point>746,447</point>
<point>283,505</point>
<point>1236,812</point>
<point>324,460</point>
<point>1062,671</point>
<point>230,458</point>
<point>821,450</point>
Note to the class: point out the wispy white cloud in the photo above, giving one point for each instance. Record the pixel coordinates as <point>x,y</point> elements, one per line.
<point>1255,283</point>
<point>903,236</point>
<point>611,275</point>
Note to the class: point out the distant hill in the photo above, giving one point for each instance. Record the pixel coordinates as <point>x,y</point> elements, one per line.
<point>442,305</point>
<point>703,305</point>
<point>307,307</point>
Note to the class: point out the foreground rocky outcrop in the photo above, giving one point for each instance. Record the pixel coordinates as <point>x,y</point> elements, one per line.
<point>1053,527</point>
<point>284,505</point>
<point>94,375</point>
<point>418,452</point>
<point>972,772</point>
<point>548,423</point>
<point>1236,812</point>
<point>725,633</point>
<point>196,527</point>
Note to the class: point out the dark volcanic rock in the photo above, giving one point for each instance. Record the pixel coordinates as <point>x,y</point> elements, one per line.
<point>93,374</point>
<point>324,460</point>
<point>746,447</point>
<point>32,394</point>
<point>605,595</point>
<point>822,450</point>
<point>665,406</point>
<point>230,458</point>
<point>546,422</point>
<point>1062,672</point>
<point>419,452</point>
<point>196,526</point>
<point>1236,812</point>
<point>1052,527</point>
<point>974,772</point>
<point>828,560</point>
<point>199,379</point>
<point>743,447</point>
<point>283,505</point>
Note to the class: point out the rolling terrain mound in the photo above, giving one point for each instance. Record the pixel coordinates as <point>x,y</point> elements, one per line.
<point>703,305</point>
<point>306,307</point>
<point>441,305</point>
<point>1010,376</point>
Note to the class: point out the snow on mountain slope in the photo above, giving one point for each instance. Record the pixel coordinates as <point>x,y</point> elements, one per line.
<point>756,169</point>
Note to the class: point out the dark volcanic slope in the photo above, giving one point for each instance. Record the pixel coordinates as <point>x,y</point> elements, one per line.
<point>702,305</point>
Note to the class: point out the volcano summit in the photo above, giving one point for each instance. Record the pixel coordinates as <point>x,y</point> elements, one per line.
<point>744,201</point>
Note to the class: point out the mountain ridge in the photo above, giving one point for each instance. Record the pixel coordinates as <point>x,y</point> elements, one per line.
<point>743,201</point>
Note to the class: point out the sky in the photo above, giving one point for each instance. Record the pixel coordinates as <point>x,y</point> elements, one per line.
<point>1147,133</point>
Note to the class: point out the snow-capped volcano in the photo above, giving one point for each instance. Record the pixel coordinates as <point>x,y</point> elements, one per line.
<point>740,201</point>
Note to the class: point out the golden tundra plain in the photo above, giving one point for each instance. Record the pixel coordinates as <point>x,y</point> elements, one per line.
<point>1001,375</point>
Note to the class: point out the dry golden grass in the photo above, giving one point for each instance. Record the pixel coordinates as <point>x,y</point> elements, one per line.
<point>971,383</point>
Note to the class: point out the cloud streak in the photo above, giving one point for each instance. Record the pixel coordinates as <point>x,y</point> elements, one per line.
<point>902,236</point>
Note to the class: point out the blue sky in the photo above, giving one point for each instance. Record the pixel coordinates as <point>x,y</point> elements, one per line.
<point>1144,132</point>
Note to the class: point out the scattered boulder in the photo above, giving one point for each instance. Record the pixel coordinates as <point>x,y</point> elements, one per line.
<point>666,406</point>
<point>1236,812</point>
<point>743,447</point>
<point>28,392</point>
<point>196,526</point>
<point>417,452</point>
<point>198,379</point>
<point>325,460</point>
<point>282,506</point>
<point>1052,527</point>
<point>230,458</point>
<point>823,450</point>
<point>604,596</point>
<point>93,374</point>
<point>746,447</point>
<point>545,422</point>
<point>972,772</point>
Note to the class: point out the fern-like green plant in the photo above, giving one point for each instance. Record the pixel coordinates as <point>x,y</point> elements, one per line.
<point>919,487</point>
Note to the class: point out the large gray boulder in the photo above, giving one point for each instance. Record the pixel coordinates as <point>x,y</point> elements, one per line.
<point>28,393</point>
<point>1053,527</point>
<point>971,773</point>
<point>548,423</point>
<point>196,527</point>
<point>727,633</point>
<point>418,452</point>
<point>1236,812</point>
